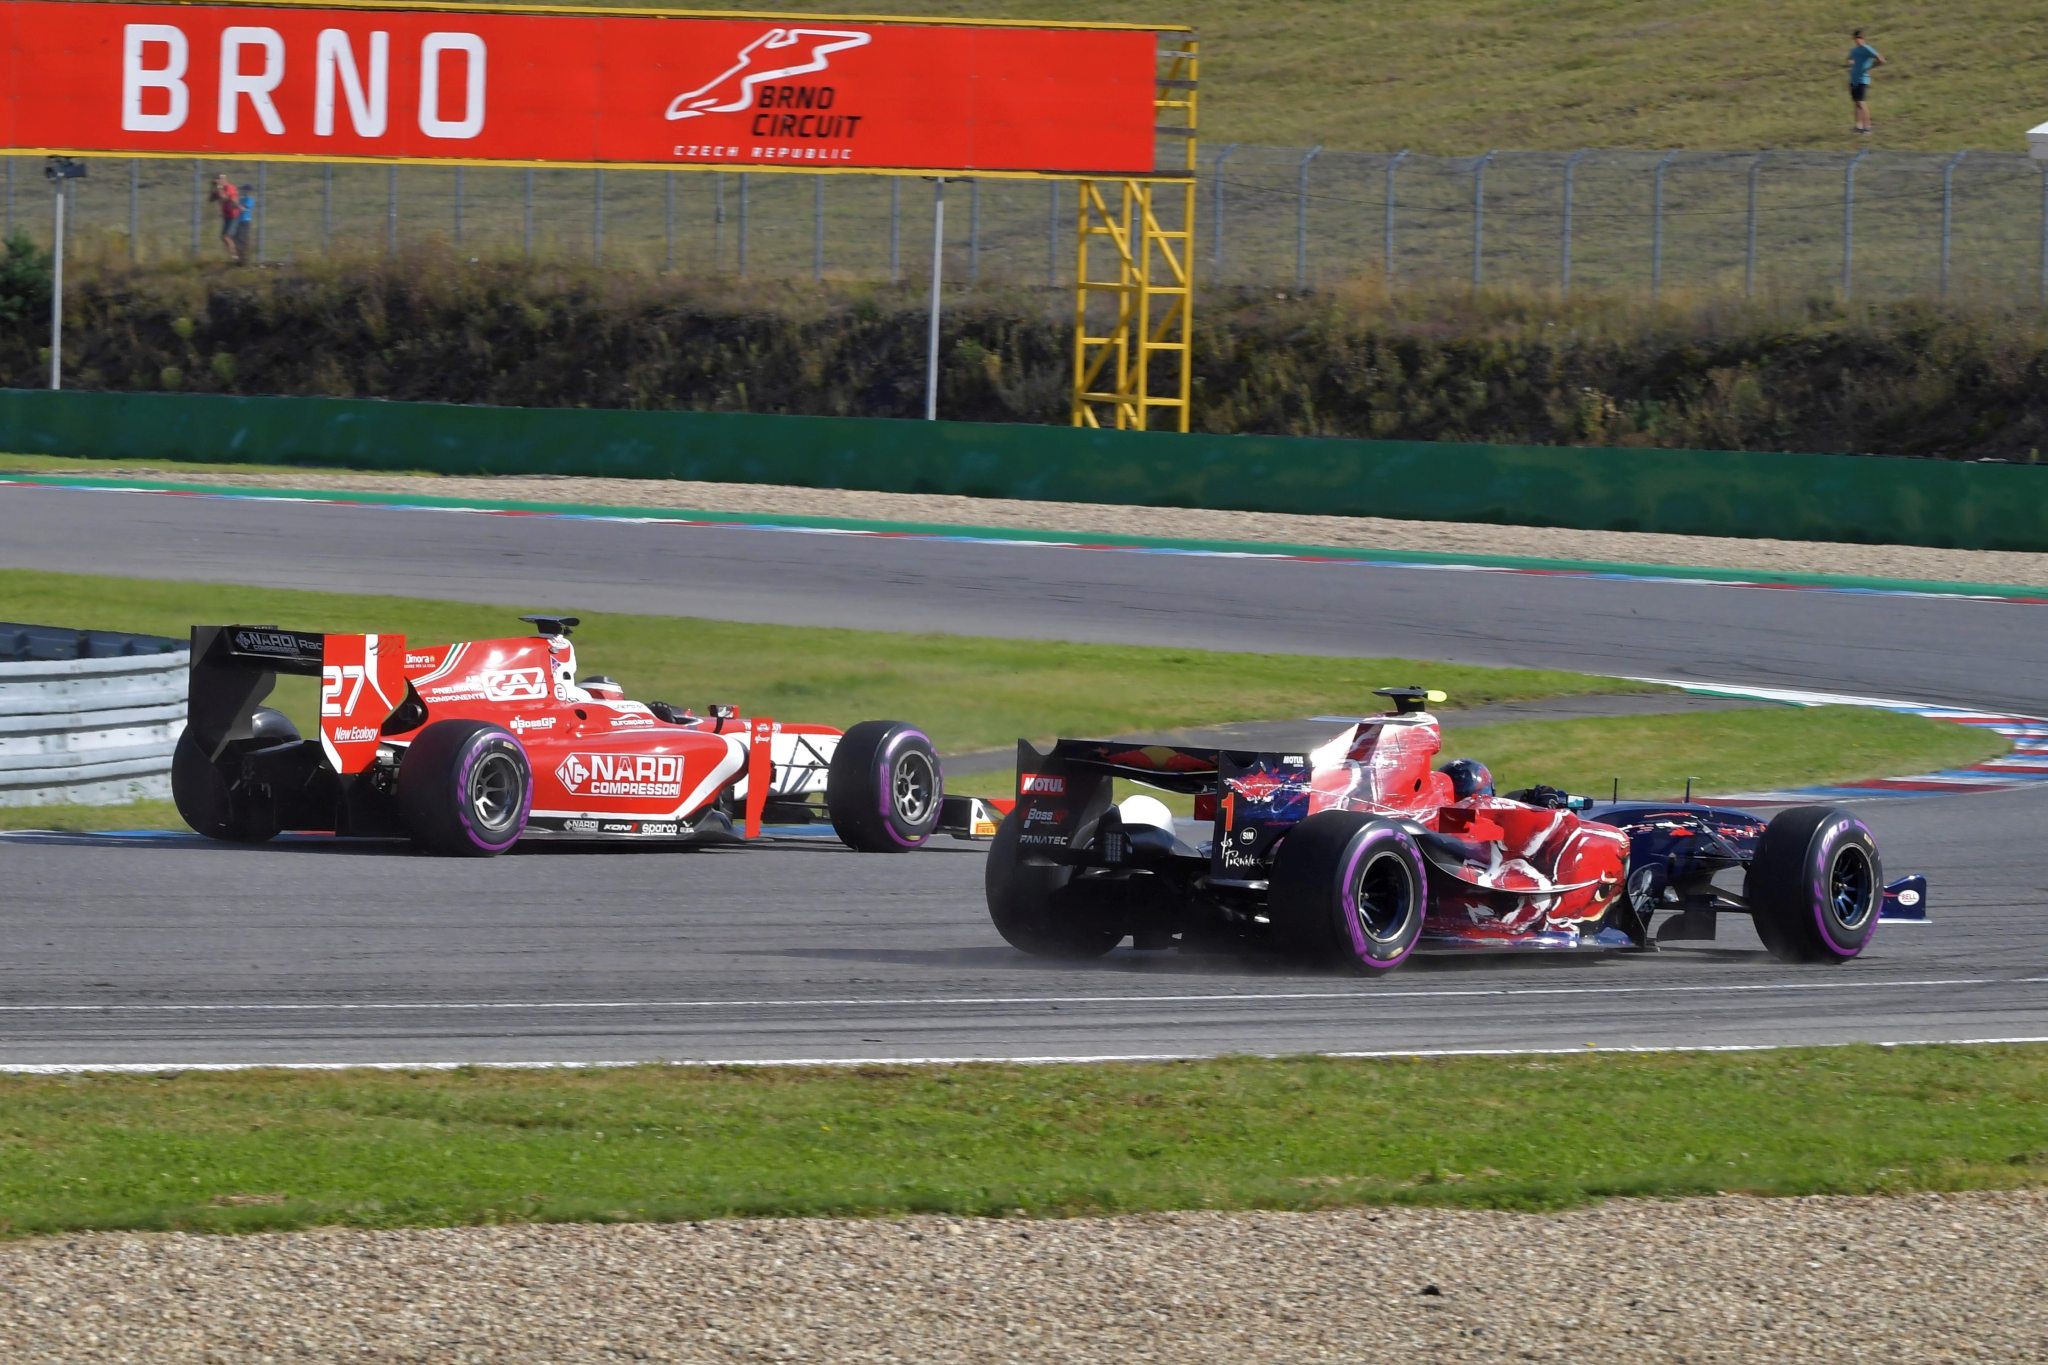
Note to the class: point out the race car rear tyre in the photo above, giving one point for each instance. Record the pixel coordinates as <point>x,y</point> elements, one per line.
<point>464,789</point>
<point>213,806</point>
<point>1815,886</point>
<point>1349,889</point>
<point>1030,905</point>
<point>884,787</point>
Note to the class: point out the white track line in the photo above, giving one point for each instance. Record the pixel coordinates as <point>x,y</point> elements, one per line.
<point>1078,1059</point>
<point>987,1000</point>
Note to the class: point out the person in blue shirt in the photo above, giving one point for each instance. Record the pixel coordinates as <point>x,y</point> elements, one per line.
<point>1862,57</point>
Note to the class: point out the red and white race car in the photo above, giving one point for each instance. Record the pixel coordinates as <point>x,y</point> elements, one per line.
<point>468,748</point>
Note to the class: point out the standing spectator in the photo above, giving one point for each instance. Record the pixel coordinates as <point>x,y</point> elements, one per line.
<point>1862,57</point>
<point>224,194</point>
<point>245,221</point>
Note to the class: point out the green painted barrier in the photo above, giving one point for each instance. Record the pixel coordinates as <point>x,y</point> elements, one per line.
<point>1694,492</point>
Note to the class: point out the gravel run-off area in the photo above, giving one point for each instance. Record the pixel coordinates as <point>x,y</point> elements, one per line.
<point>1370,533</point>
<point>1914,1279</point>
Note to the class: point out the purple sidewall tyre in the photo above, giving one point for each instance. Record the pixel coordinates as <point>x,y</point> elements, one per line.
<point>1815,885</point>
<point>1349,890</point>
<point>1379,841</point>
<point>885,786</point>
<point>465,788</point>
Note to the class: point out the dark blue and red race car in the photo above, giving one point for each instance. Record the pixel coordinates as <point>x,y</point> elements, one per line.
<point>1361,851</point>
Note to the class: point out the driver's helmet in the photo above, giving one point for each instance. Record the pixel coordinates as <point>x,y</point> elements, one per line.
<point>602,688</point>
<point>562,657</point>
<point>1469,777</point>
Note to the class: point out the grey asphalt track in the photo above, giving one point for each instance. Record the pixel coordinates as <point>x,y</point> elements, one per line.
<point>174,951</point>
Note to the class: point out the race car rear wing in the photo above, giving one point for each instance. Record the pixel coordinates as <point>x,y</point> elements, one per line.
<point>234,668</point>
<point>1171,767</point>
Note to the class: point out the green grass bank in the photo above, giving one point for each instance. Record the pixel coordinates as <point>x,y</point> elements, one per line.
<point>256,1150</point>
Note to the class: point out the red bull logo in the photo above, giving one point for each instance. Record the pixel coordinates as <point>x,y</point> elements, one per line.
<point>1259,787</point>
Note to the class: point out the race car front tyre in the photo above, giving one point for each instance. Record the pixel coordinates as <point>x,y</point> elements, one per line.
<point>1030,905</point>
<point>1349,889</point>
<point>210,803</point>
<point>884,787</point>
<point>464,789</point>
<point>1815,886</point>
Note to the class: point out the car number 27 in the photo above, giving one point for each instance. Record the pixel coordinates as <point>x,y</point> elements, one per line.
<point>334,679</point>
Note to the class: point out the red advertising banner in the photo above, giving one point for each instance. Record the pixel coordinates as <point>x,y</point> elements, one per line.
<point>463,84</point>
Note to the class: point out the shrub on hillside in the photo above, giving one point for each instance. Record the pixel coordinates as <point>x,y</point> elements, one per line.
<point>1712,374</point>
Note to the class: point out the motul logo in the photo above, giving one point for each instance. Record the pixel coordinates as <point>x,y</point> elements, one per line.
<point>1040,784</point>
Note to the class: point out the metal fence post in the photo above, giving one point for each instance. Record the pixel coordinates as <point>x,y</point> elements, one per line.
<point>1849,220</point>
<point>262,207</point>
<point>326,208</point>
<point>1571,169</point>
<point>1052,233</point>
<point>1479,219</point>
<point>597,218</point>
<point>973,233</point>
<point>198,198</point>
<point>1387,244</point>
<point>134,209</point>
<point>458,206</point>
<point>526,221</point>
<point>931,362</point>
<point>1657,227</point>
<point>7,219</point>
<point>718,220</point>
<point>1301,218</point>
<point>391,209</point>
<point>743,224</point>
<point>2043,286</point>
<point>1215,206</point>
<point>817,229</point>
<point>895,229</point>
<point>668,220</point>
<point>1749,252</point>
<point>1948,181</point>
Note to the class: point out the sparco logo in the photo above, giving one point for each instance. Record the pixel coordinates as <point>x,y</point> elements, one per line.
<point>651,775</point>
<point>266,642</point>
